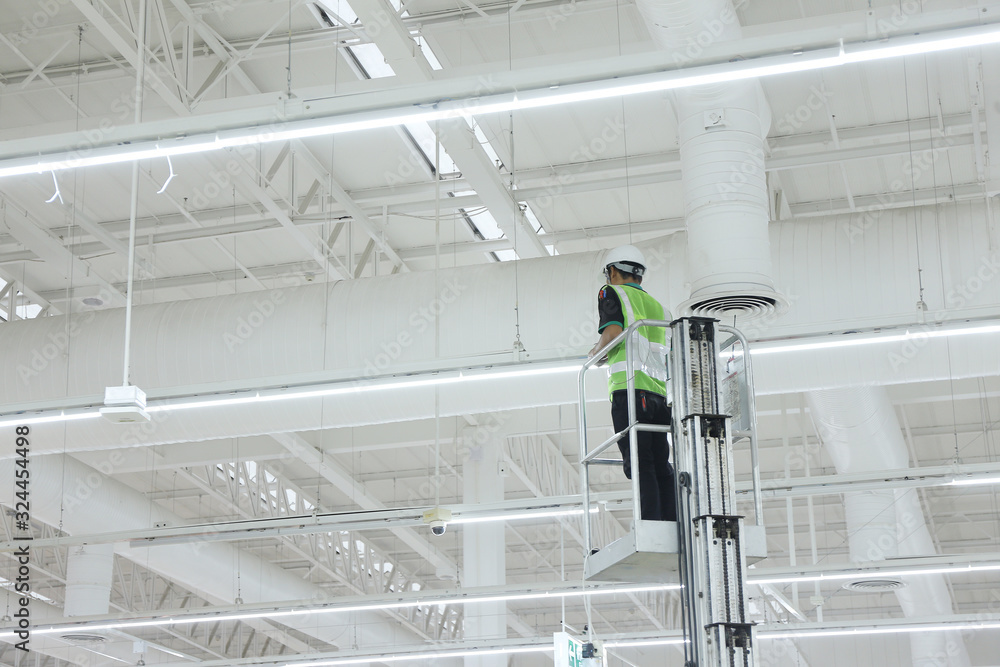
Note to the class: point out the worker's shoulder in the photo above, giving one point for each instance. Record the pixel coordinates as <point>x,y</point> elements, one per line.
<point>607,292</point>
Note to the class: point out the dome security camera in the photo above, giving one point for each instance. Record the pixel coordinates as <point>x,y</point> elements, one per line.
<point>437,519</point>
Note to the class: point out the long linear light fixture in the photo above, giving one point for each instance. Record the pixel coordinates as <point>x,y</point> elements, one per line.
<point>973,481</point>
<point>664,641</point>
<point>445,378</point>
<point>856,340</point>
<point>959,568</point>
<point>410,601</point>
<point>438,655</point>
<point>884,630</point>
<point>436,379</point>
<point>381,605</point>
<point>803,61</point>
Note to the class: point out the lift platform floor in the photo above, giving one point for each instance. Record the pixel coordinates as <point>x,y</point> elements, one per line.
<point>653,558</point>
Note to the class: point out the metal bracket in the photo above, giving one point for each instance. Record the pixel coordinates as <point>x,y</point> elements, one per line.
<point>739,635</point>
<point>726,527</point>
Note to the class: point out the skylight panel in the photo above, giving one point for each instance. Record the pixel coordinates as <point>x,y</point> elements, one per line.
<point>532,218</point>
<point>372,60</point>
<point>424,137</point>
<point>537,226</point>
<point>338,9</point>
<point>426,49</point>
<point>9,585</point>
<point>22,308</point>
<point>486,224</point>
<point>485,143</point>
<point>28,311</point>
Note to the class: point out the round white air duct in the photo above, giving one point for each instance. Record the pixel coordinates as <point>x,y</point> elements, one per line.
<point>721,131</point>
<point>859,428</point>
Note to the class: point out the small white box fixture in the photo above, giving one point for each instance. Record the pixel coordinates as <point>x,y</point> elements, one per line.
<point>124,405</point>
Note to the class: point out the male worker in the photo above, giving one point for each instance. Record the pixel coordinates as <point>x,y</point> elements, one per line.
<point>620,302</point>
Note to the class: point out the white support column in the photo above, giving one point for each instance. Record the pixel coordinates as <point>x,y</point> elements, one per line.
<point>483,544</point>
<point>990,100</point>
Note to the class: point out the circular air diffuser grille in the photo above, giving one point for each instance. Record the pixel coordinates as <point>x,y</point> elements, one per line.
<point>742,305</point>
<point>874,585</point>
<point>81,638</point>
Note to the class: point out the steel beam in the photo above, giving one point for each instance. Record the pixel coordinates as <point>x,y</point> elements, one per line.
<point>131,53</point>
<point>35,236</point>
<point>346,484</point>
<point>257,191</point>
<point>374,229</point>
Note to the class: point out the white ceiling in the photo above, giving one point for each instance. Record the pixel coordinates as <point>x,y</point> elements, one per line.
<point>840,141</point>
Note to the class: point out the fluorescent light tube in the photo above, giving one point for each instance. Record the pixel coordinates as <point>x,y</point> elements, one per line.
<point>849,340</point>
<point>633,643</point>
<point>972,481</point>
<point>531,99</point>
<point>354,387</point>
<point>377,606</point>
<point>884,571</point>
<point>887,630</point>
<point>522,515</point>
<point>332,389</point>
<point>424,656</point>
<point>60,416</point>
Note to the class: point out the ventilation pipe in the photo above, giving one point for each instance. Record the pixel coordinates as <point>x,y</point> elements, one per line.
<point>88,580</point>
<point>88,586</point>
<point>860,431</point>
<point>721,131</point>
<point>92,503</point>
<point>243,340</point>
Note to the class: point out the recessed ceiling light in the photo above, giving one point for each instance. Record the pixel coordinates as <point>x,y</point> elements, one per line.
<point>93,301</point>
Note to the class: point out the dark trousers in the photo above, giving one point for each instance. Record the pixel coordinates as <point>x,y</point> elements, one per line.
<point>656,475</point>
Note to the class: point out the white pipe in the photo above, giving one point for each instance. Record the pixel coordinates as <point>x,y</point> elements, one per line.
<point>134,206</point>
<point>88,580</point>
<point>721,131</point>
<point>860,431</point>
<point>245,338</point>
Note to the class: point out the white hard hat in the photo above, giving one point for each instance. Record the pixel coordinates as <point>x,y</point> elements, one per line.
<point>627,259</point>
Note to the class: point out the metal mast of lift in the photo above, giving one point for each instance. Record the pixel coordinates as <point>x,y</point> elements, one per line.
<point>710,533</point>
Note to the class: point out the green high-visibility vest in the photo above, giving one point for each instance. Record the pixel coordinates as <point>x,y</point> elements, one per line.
<point>648,343</point>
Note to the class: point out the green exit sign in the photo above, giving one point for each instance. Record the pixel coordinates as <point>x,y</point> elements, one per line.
<point>569,652</point>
